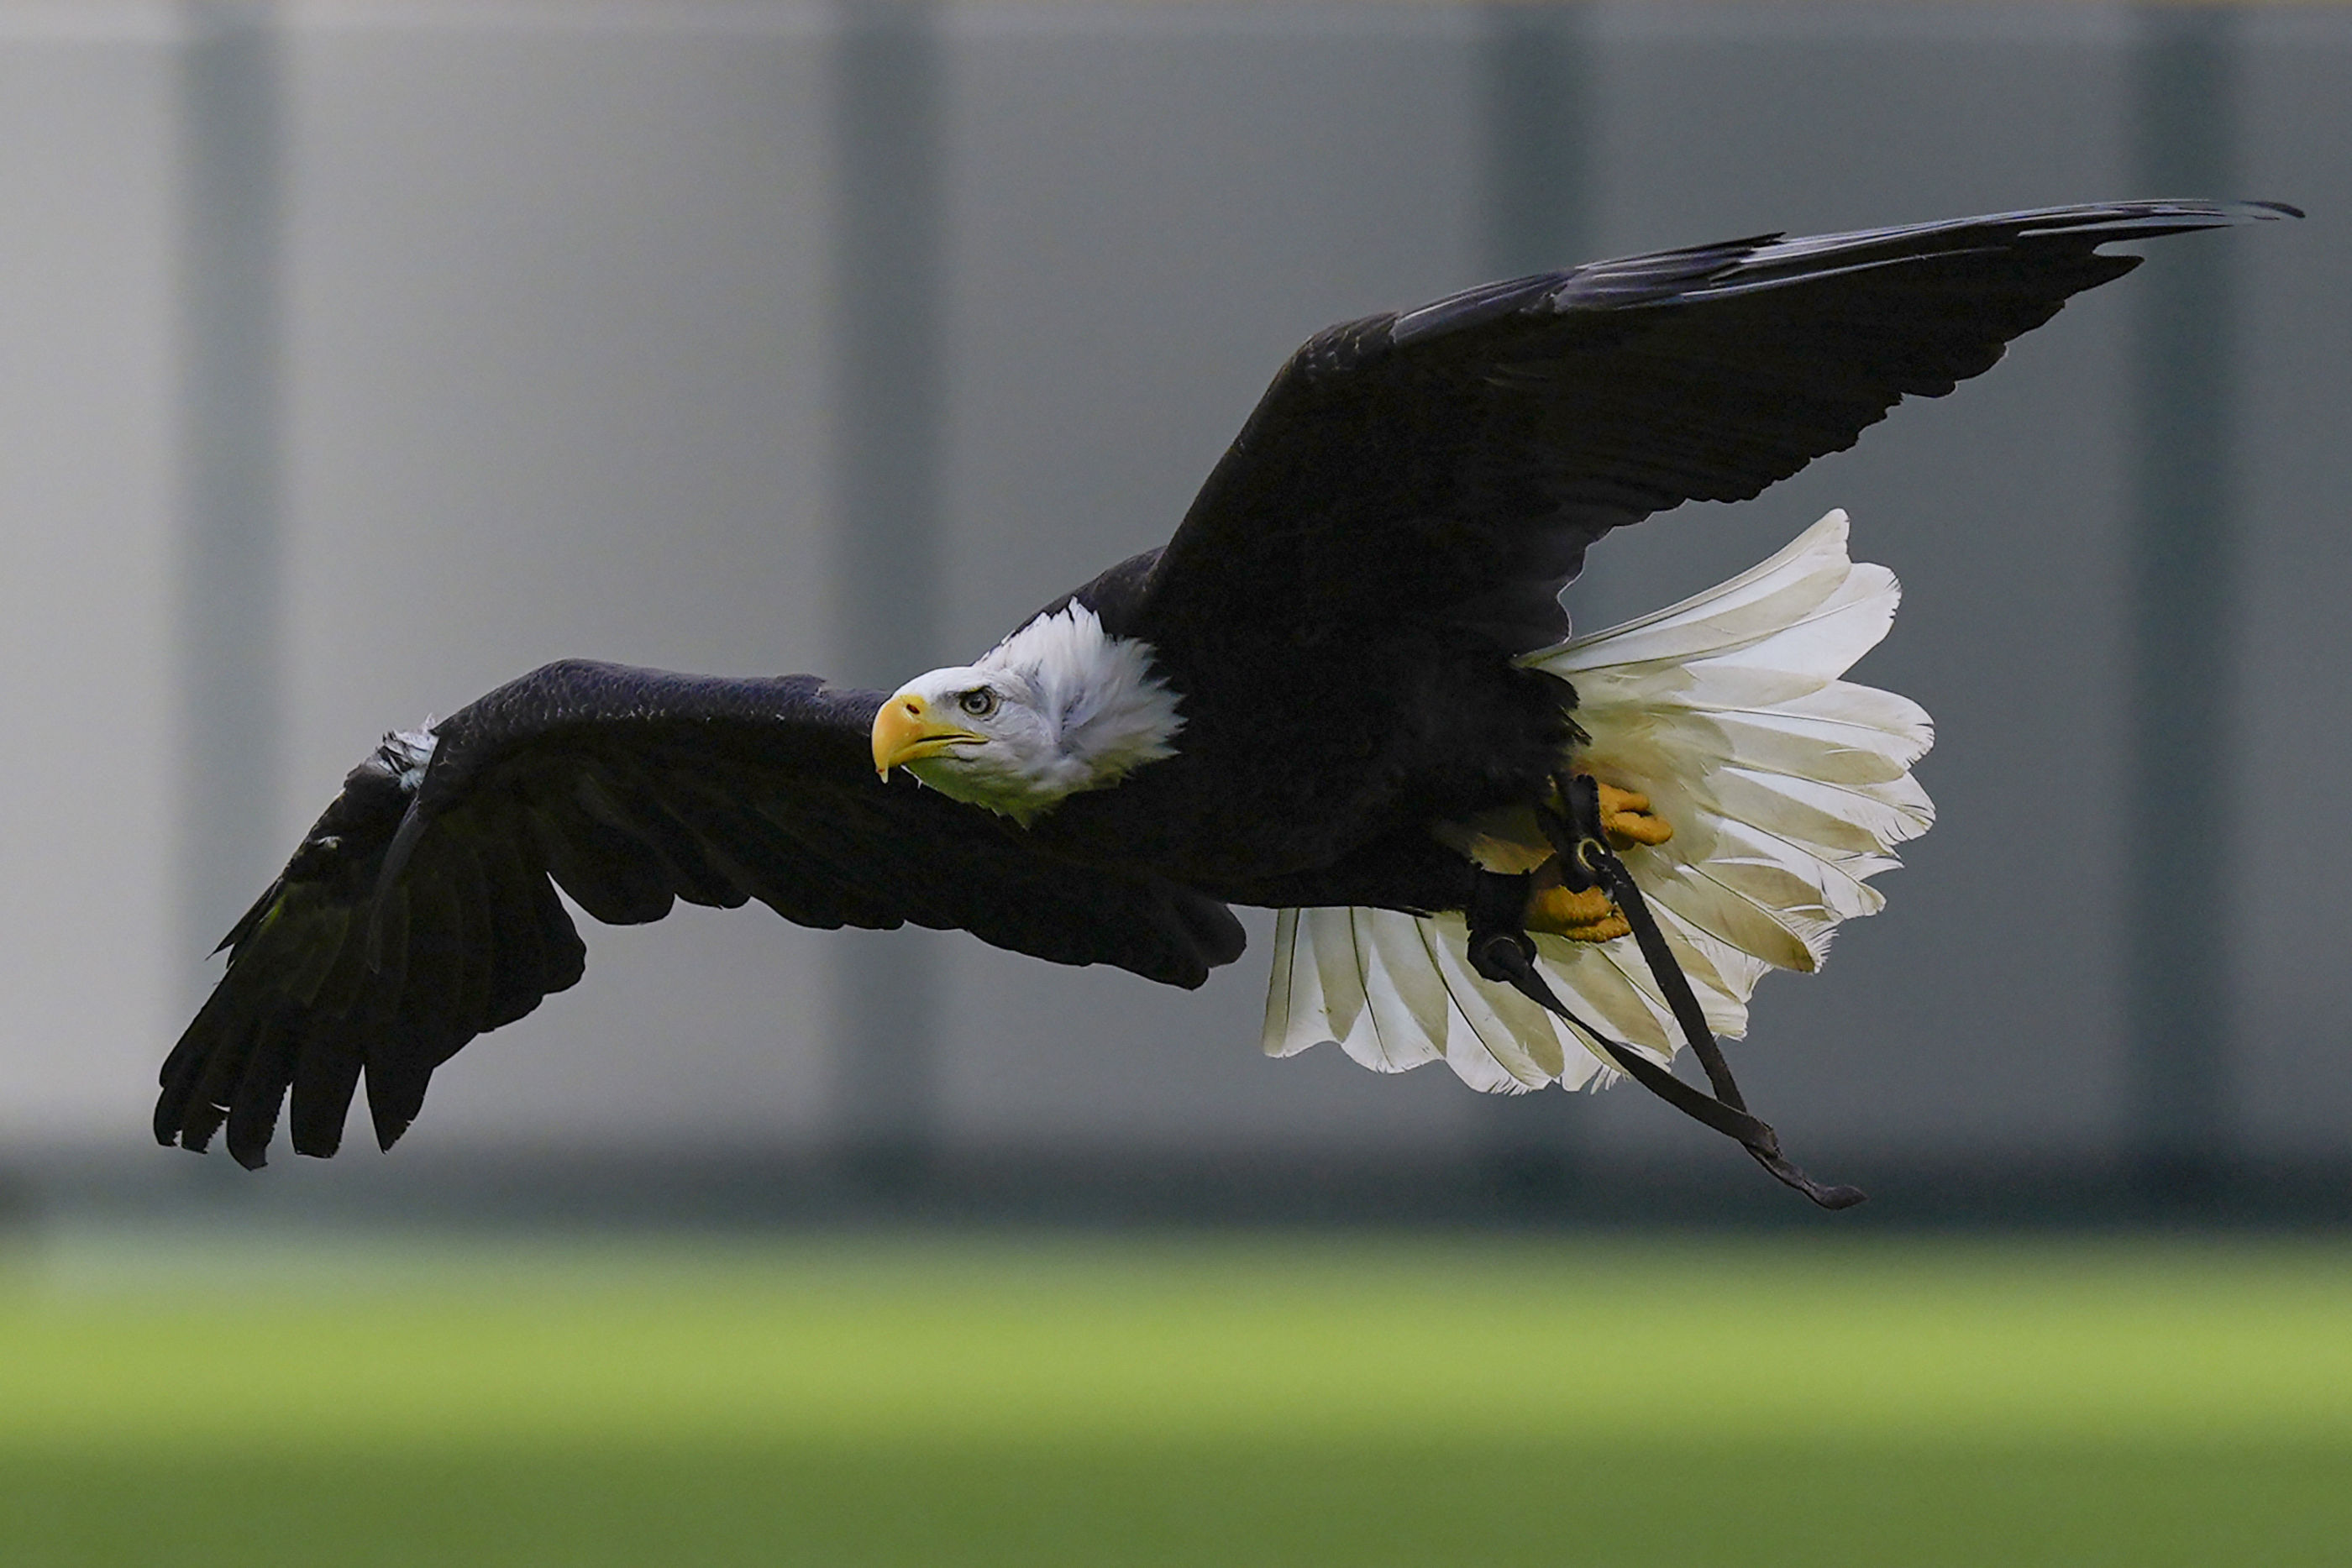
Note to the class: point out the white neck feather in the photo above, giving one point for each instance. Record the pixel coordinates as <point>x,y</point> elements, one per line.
<point>1109,714</point>
<point>1076,709</point>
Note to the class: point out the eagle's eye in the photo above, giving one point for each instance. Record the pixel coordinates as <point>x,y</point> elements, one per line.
<point>979,702</point>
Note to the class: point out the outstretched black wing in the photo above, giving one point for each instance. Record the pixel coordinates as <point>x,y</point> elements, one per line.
<point>1451,463</point>
<point>421,910</point>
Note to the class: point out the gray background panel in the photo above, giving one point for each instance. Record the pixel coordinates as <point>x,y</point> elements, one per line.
<point>87,556</point>
<point>2292,750</point>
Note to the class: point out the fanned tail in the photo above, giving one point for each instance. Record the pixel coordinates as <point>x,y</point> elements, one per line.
<point>1787,788</point>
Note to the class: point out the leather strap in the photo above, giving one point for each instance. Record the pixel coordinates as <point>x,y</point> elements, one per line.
<point>1501,950</point>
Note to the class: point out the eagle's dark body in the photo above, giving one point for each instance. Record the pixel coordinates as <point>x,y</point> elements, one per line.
<point>1439,725</point>
<point>1339,613</point>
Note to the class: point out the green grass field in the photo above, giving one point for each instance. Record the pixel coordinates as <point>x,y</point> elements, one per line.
<point>1212,1400</point>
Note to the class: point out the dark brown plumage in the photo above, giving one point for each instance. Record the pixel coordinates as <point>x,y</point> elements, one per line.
<point>1394,522</point>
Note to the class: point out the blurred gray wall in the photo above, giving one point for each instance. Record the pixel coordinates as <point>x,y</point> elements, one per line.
<point>552,364</point>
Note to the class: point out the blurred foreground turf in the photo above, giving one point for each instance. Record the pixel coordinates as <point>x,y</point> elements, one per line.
<point>1213,1401</point>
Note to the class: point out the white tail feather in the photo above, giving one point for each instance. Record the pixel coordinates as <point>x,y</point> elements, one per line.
<point>1788,790</point>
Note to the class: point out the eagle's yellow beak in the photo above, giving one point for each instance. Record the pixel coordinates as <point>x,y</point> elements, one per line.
<point>905,731</point>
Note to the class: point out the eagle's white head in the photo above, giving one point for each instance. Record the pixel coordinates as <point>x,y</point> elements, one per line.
<point>1058,707</point>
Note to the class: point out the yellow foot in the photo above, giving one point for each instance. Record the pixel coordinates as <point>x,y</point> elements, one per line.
<point>1590,915</point>
<point>1626,818</point>
<point>1587,916</point>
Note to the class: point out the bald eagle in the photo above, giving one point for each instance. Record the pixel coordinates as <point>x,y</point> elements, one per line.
<point>1344,690</point>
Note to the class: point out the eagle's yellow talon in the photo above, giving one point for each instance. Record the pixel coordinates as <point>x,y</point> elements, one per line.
<point>1604,930</point>
<point>1590,915</point>
<point>1555,906</point>
<point>1587,916</point>
<point>1626,818</point>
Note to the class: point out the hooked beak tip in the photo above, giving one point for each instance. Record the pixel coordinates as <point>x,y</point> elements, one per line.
<point>899,730</point>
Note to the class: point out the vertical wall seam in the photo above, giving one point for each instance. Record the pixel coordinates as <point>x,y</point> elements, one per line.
<point>231,699</point>
<point>1537,206</point>
<point>2183,609</point>
<point>888,385</point>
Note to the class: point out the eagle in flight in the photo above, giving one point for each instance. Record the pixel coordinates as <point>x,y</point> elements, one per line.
<point>1344,690</point>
